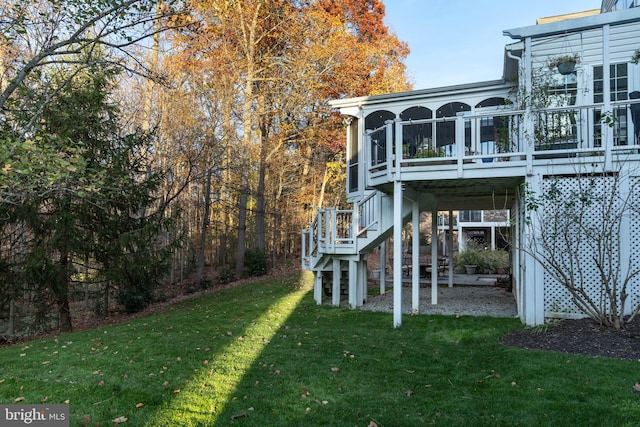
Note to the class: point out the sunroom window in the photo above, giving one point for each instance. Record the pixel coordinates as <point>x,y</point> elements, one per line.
<point>618,87</point>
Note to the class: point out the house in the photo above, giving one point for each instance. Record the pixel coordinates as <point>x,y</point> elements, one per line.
<point>485,146</point>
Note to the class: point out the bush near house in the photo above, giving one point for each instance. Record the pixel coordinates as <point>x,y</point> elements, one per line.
<point>486,262</point>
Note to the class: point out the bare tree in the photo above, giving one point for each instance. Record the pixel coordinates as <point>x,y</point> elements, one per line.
<point>580,236</point>
<point>45,33</point>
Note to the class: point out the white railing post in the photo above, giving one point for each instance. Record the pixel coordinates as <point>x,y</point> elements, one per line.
<point>303,258</point>
<point>366,161</point>
<point>319,229</point>
<point>389,147</point>
<point>460,147</point>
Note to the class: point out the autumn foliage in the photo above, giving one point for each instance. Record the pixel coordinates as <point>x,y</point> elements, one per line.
<point>231,99</point>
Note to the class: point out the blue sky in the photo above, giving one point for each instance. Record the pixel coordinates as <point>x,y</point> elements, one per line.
<point>461,41</point>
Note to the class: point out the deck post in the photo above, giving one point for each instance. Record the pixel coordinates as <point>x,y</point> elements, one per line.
<point>337,275</point>
<point>450,254</point>
<point>317,287</point>
<point>397,253</point>
<point>353,283</point>
<point>362,282</point>
<point>434,255</point>
<point>383,267</point>
<point>533,286</point>
<point>415,271</point>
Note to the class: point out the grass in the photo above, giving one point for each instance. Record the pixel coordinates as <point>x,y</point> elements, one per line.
<point>264,354</point>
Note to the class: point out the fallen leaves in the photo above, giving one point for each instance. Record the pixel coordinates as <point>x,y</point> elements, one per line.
<point>636,387</point>
<point>120,420</point>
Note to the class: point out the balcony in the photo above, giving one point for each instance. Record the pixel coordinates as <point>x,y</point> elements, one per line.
<point>500,143</point>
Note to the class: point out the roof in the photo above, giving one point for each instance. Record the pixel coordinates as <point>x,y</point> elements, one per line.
<point>584,22</point>
<point>416,94</point>
<point>573,15</point>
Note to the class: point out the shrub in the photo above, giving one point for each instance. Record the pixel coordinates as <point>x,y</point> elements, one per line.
<point>226,275</point>
<point>487,262</point>
<point>256,262</point>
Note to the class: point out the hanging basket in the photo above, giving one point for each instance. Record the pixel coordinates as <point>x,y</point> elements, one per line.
<point>566,68</point>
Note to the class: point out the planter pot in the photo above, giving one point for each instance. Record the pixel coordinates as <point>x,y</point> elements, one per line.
<point>375,274</point>
<point>566,68</point>
<point>471,269</point>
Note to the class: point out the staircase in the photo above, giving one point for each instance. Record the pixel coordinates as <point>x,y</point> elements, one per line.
<point>337,239</point>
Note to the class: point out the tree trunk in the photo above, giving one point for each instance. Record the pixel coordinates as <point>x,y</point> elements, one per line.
<point>260,199</point>
<point>205,224</point>
<point>242,224</point>
<point>62,295</point>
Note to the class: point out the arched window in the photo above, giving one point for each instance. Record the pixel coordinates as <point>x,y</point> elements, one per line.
<point>416,137</point>
<point>446,130</point>
<point>377,118</point>
<point>493,130</point>
<point>378,140</point>
<point>491,102</point>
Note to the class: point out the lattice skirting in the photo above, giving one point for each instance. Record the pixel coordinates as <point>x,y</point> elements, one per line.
<point>557,299</point>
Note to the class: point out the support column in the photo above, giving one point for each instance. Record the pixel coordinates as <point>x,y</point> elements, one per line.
<point>353,283</point>
<point>450,254</point>
<point>362,282</point>
<point>415,248</point>
<point>533,272</point>
<point>434,256</point>
<point>335,292</point>
<point>397,254</point>
<point>317,287</point>
<point>383,267</point>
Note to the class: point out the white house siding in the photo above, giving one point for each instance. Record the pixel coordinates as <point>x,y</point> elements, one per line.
<point>634,241</point>
<point>621,45</point>
<point>557,300</point>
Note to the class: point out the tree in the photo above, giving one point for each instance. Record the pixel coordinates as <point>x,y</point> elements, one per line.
<point>108,212</point>
<point>579,239</point>
<point>45,32</point>
<point>270,67</point>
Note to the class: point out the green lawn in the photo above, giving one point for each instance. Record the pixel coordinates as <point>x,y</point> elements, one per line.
<point>264,354</point>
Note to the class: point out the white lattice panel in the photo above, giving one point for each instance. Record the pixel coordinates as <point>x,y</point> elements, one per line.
<point>571,239</point>
<point>634,241</point>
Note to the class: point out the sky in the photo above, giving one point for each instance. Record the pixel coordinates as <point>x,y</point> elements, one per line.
<point>460,41</point>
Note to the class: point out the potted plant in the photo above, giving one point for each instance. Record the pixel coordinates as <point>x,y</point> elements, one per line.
<point>470,259</point>
<point>566,64</point>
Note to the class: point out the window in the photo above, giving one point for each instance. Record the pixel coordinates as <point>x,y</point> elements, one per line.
<point>470,216</point>
<point>618,91</point>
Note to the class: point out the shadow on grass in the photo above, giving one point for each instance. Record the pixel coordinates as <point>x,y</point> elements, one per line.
<point>264,354</point>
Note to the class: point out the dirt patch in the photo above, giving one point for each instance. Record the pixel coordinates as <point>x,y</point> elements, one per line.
<point>583,336</point>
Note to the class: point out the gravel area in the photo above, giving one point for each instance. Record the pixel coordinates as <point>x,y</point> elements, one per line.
<point>480,300</point>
